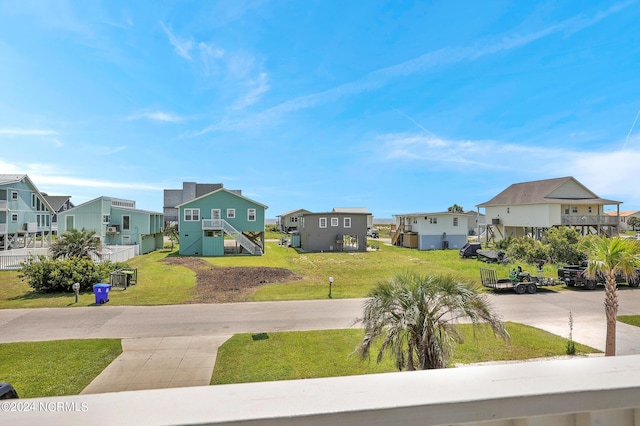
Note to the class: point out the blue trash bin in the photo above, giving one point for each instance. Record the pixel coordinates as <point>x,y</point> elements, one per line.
<point>101,291</point>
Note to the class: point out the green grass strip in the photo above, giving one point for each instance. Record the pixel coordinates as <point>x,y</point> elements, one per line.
<point>55,368</point>
<point>260,357</point>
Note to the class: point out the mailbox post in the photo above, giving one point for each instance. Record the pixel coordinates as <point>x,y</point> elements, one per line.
<point>76,288</point>
<point>330,282</point>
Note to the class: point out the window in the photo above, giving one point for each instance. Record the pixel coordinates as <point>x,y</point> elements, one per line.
<point>334,221</point>
<point>14,217</point>
<point>455,221</point>
<point>347,222</point>
<point>566,210</point>
<point>574,209</point>
<point>590,210</point>
<point>14,195</point>
<point>216,234</point>
<point>507,210</point>
<point>33,200</point>
<point>106,218</point>
<point>323,222</point>
<point>191,215</point>
<point>231,213</point>
<point>126,222</point>
<point>433,220</point>
<point>294,219</point>
<point>251,215</point>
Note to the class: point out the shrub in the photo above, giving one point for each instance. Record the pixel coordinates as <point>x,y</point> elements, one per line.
<point>562,245</point>
<point>51,275</point>
<point>526,249</point>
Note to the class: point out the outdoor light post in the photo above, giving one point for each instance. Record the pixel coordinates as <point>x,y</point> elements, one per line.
<point>330,282</point>
<point>76,288</point>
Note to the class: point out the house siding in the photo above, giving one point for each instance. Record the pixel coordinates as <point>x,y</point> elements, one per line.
<point>192,236</point>
<point>314,238</point>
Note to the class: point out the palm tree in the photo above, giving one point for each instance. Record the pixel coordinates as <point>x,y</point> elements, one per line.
<point>74,243</point>
<point>415,317</point>
<point>455,209</point>
<point>609,257</point>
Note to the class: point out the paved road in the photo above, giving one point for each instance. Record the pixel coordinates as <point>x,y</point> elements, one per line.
<point>545,310</point>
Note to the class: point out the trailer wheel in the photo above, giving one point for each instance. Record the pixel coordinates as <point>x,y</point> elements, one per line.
<point>521,288</point>
<point>634,282</point>
<point>532,288</point>
<point>590,285</point>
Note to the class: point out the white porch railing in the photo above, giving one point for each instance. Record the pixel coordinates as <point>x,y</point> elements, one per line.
<point>578,392</point>
<point>221,224</point>
<point>4,205</point>
<point>11,259</point>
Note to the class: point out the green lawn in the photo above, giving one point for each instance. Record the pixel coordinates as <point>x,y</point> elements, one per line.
<point>354,275</point>
<point>311,354</point>
<point>55,368</point>
<point>630,319</point>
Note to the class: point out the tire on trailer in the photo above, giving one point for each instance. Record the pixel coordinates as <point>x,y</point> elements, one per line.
<point>532,288</point>
<point>634,282</point>
<point>590,285</point>
<point>520,288</point>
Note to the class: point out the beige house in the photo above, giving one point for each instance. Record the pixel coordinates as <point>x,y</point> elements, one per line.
<point>529,208</point>
<point>624,218</point>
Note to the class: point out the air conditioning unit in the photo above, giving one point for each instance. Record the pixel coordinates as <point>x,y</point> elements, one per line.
<point>112,230</point>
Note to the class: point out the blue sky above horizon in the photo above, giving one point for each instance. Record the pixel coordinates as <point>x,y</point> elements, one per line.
<point>394,106</point>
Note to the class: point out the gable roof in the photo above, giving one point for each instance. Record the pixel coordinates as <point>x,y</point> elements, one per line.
<point>432,214</point>
<point>351,210</point>
<point>221,190</point>
<point>15,178</point>
<point>293,211</point>
<point>57,201</point>
<point>547,191</point>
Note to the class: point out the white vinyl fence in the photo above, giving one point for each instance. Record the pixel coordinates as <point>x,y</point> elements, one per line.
<point>11,259</point>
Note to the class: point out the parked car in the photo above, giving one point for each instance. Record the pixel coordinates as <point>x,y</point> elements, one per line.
<point>373,233</point>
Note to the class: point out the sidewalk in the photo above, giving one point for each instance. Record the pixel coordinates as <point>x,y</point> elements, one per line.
<point>159,362</point>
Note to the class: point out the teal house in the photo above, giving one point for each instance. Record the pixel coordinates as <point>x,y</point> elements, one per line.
<point>25,214</point>
<point>117,222</point>
<point>204,222</point>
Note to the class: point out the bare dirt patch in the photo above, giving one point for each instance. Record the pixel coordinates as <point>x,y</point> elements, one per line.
<point>216,284</point>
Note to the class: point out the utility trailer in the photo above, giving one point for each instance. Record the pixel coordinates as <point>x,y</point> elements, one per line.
<point>518,281</point>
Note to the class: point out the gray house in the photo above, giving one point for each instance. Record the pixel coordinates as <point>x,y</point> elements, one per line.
<point>332,231</point>
<point>60,203</point>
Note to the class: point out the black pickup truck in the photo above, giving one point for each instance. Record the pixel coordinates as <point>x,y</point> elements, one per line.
<point>575,275</point>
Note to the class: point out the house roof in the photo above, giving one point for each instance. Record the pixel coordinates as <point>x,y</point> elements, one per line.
<point>219,190</point>
<point>14,178</point>
<point>351,210</point>
<point>57,201</point>
<point>110,199</point>
<point>294,211</point>
<point>11,178</point>
<point>623,214</point>
<point>432,214</point>
<point>334,213</point>
<point>542,192</point>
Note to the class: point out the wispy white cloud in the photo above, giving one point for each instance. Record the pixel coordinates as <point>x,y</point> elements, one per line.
<point>257,88</point>
<point>182,47</point>
<point>26,132</point>
<point>209,56</point>
<point>441,57</point>
<point>156,116</point>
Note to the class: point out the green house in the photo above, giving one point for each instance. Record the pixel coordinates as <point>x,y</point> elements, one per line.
<point>117,222</point>
<point>24,213</point>
<point>221,222</point>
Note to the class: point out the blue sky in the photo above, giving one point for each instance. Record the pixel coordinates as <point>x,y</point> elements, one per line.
<point>395,106</point>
